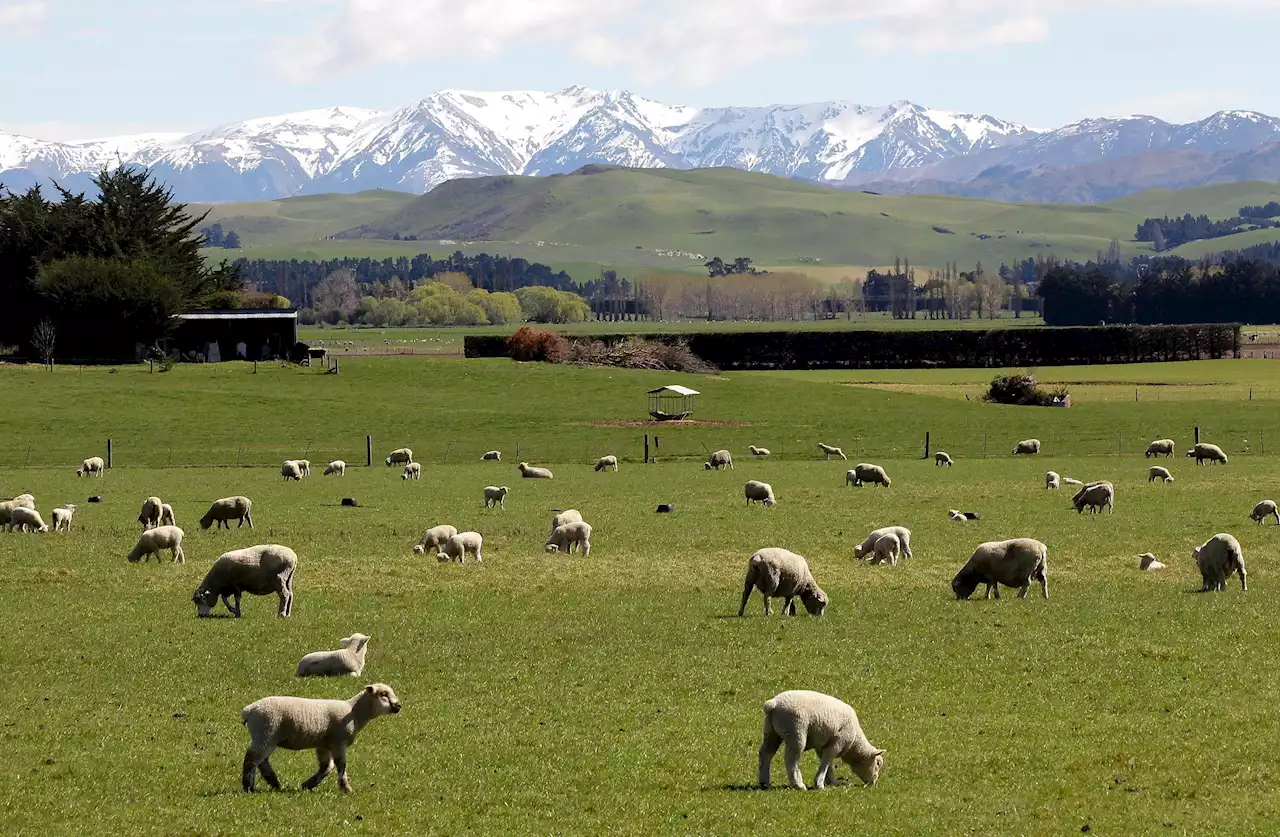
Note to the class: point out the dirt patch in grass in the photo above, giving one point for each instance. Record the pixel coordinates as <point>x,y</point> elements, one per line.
<point>657,424</point>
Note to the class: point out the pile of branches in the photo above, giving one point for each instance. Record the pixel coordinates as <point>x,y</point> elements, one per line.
<point>1021,390</point>
<point>638,353</point>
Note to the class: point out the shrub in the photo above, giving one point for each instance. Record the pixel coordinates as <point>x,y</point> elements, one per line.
<point>529,344</point>
<point>1021,390</point>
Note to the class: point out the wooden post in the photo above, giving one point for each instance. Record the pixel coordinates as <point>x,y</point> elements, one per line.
<point>368,451</point>
<point>984,445</point>
<point>255,367</point>
<point>1250,393</point>
<point>108,453</point>
<point>1120,445</point>
<point>655,448</point>
<point>1135,395</point>
<point>646,448</point>
<point>926,444</point>
<point>1197,434</point>
<point>1263,441</point>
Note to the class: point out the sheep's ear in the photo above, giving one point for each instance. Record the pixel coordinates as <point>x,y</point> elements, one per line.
<point>879,752</point>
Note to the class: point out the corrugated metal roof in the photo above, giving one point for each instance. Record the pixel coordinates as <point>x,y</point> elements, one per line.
<point>241,314</point>
<point>677,389</point>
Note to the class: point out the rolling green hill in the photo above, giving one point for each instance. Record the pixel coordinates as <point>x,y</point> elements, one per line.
<point>295,220</point>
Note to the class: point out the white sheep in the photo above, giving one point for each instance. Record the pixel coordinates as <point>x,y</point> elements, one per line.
<point>719,460</point>
<point>1155,472</point>
<point>22,501</point>
<point>1218,558</point>
<point>1013,563</point>
<point>257,570</point>
<point>868,546</point>
<point>62,518</point>
<point>569,535</point>
<point>149,517</point>
<point>329,727</point>
<point>529,472</point>
<point>304,465</point>
<point>887,549</point>
<point>152,541</point>
<point>957,516</point>
<point>495,496</point>
<point>1147,563</point>
<point>457,547</point>
<point>492,456</point>
<point>434,538</point>
<point>26,520</point>
<point>759,492</point>
<point>779,573</point>
<point>336,468</point>
<point>1051,480</point>
<point>566,516</point>
<point>1205,451</point>
<point>92,465</point>
<point>829,451</point>
<point>866,472</point>
<point>1265,509</point>
<point>400,456</point>
<point>290,470</point>
<point>755,451</point>
<point>1070,481</point>
<point>942,458</point>
<point>1027,447</point>
<point>222,512</point>
<point>166,515</point>
<point>1095,495</point>
<point>606,462</point>
<point>412,471</point>
<point>347,660</point>
<point>1161,446</point>
<point>804,720</point>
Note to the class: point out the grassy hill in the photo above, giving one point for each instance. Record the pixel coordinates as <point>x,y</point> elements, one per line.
<point>295,220</point>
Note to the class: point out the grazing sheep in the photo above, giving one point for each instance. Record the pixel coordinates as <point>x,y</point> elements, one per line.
<point>62,518</point>
<point>1265,509</point>
<point>957,516</point>
<point>348,660</point>
<point>887,549</point>
<point>1027,447</point>
<point>412,471</point>
<point>565,537</point>
<point>719,460</point>
<point>304,465</point>
<point>153,540</point>
<point>290,470</point>
<point>434,538</point>
<point>1205,451</point>
<point>400,456</point>
<point>1070,481</point>
<point>829,451</point>
<point>1155,472</point>
<point>528,472</point>
<point>92,465</point>
<point>866,472</point>
<point>1095,495</point>
<point>22,501</point>
<point>149,517</point>
<point>942,458</point>
<point>329,727</point>
<point>1218,558</point>
<point>495,495</point>
<point>779,573</point>
<point>222,512</point>
<point>26,520</point>
<point>1148,563</point>
<point>457,547</point>
<point>566,516</point>
<point>868,546</point>
<point>755,451</point>
<point>257,570</point>
<point>1052,480</point>
<point>760,492</point>
<point>1013,563</point>
<point>804,720</point>
<point>605,462</point>
<point>336,468</point>
<point>166,515</point>
<point>1160,446</point>
<point>492,456</point>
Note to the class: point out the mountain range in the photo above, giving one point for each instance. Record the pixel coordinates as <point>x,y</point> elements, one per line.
<point>900,148</point>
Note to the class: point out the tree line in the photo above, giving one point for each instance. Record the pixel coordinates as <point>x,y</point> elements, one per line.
<point>1167,233</point>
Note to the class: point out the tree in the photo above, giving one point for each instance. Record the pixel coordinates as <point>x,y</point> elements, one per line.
<point>337,296</point>
<point>43,339</point>
<point>231,241</point>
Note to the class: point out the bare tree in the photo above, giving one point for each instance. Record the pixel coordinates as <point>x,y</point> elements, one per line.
<point>43,338</point>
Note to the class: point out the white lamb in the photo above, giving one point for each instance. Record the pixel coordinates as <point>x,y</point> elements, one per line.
<point>886,550</point>
<point>868,546</point>
<point>495,496</point>
<point>26,520</point>
<point>1070,481</point>
<point>412,471</point>
<point>569,535</point>
<point>780,573</point>
<point>1027,447</point>
<point>1052,481</point>
<point>149,517</point>
<point>1147,563</point>
<point>1218,558</point>
<point>336,468</point>
<point>434,539</point>
<point>1013,563</point>
<point>290,470</point>
<point>942,458</point>
<point>1160,447</point>
<point>457,547</point>
<point>492,456</point>
<point>829,451</point>
<point>1265,509</point>
<point>755,451</point>
<point>804,720</point>
<point>92,465</point>
<point>222,512</point>
<point>957,516</point>
<point>760,492</point>
<point>348,660</point>
<point>166,515</point>
<point>62,518</point>
<point>606,462</point>
<point>22,501</point>
<point>152,541</point>
<point>566,516</point>
<point>400,456</point>
<point>304,465</point>
<point>1155,472</point>
<point>719,460</point>
<point>531,473</point>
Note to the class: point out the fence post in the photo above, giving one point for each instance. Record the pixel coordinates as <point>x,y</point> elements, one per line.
<point>28,462</point>
<point>517,449</point>
<point>255,367</point>
<point>646,448</point>
<point>1263,441</point>
<point>108,453</point>
<point>1197,434</point>
<point>926,444</point>
<point>655,448</point>
<point>984,445</point>
<point>1250,393</point>
<point>368,451</point>
<point>238,449</point>
<point>1120,445</point>
<point>1135,395</point>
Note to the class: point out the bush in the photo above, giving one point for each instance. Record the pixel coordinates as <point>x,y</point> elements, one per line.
<point>1017,389</point>
<point>530,344</point>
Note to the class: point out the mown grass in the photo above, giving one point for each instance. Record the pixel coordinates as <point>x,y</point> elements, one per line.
<point>618,693</point>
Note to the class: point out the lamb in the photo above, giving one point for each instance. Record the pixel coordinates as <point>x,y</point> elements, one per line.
<point>1052,480</point>
<point>1160,446</point>
<point>457,547</point>
<point>329,727</point>
<point>866,472</point>
<point>1218,558</point>
<point>92,465</point>
<point>805,720</point>
<point>1070,481</point>
<point>26,520</point>
<point>760,492</point>
<point>1027,447</point>
<point>7,508</point>
<point>779,573</point>
<point>565,537</point>
<point>347,660</point>
<point>336,468</point>
<point>62,518</point>
<point>434,538</point>
<point>957,516</point>
<point>530,473</point>
<point>1013,563</point>
<point>755,451</point>
<point>149,517</point>
<point>1095,495</point>
<point>942,458</point>
<point>152,541</point>
<point>290,470</point>
<point>1155,472</point>
<point>222,512</point>
<point>1204,451</point>
<point>304,465</point>
<point>1148,563</point>
<point>258,570</point>
<point>492,456</point>
<point>719,460</point>
<point>887,549</point>
<point>829,451</point>
<point>1265,509</point>
<point>412,471</point>
<point>400,456</point>
<point>495,496</point>
<point>605,462</point>
<point>868,546</point>
<point>566,516</point>
<point>166,515</point>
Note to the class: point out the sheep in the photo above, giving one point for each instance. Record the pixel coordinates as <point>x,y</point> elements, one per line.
<point>8,506</point>
<point>1070,481</point>
<point>400,456</point>
<point>1160,446</point>
<point>222,512</point>
<point>336,468</point>
<point>1218,558</point>
<point>1155,472</point>
<point>868,546</point>
<point>412,471</point>
<point>942,458</point>
<point>1013,563</point>
<point>761,492</point>
<point>495,496</point>
<point>166,515</point>
<point>886,549</point>
<point>457,547</point>
<point>866,472</point>
<point>1095,495</point>
<point>1052,481</point>
<point>92,465</point>
<point>719,460</point>
<point>347,660</point>
<point>149,517</point>
<point>606,462</point>
<point>153,540</point>
<point>62,518</point>
<point>566,536</point>
<point>829,451</point>
<point>329,727</point>
<point>1027,447</point>
<point>434,538</point>
<point>804,720</point>
<point>957,516</point>
<point>755,451</point>
<point>1203,451</point>
<point>1265,509</point>
<point>492,456</point>
<point>26,520</point>
<point>290,471</point>
<point>304,465</point>
<point>1148,563</point>
<point>779,573</point>
<point>528,472</point>
<point>566,516</point>
<point>257,570</point>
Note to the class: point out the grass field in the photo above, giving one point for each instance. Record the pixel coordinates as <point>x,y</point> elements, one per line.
<point>618,693</point>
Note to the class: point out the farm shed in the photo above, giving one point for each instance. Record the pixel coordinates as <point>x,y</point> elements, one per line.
<point>242,334</point>
<point>672,403</point>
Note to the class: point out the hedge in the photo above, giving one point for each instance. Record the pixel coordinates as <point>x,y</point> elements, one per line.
<point>959,348</point>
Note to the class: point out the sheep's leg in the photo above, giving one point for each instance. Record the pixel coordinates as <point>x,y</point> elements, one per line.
<point>789,607</point>
<point>1022,591</point>
<point>792,754</point>
<point>325,761</point>
<point>236,610</point>
<point>479,559</point>
<point>340,762</point>
<point>769,744</point>
<point>1244,587</point>
<point>768,604</point>
<point>1044,583</point>
<point>269,774</point>
<point>826,767</point>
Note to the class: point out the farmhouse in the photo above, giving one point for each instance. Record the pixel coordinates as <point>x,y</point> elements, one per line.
<point>240,334</point>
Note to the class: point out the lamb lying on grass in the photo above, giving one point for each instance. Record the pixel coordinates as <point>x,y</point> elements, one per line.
<point>804,720</point>
<point>492,456</point>
<point>957,516</point>
<point>1013,563</point>
<point>257,570</point>
<point>529,472</point>
<point>755,451</point>
<point>152,541</point>
<point>1147,563</point>
<point>347,660</point>
<point>779,573</point>
<point>1218,558</point>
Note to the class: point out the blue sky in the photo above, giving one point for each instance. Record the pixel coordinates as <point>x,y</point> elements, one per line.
<point>80,68</point>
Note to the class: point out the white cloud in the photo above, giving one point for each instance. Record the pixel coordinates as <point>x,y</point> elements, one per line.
<point>22,18</point>
<point>59,131</point>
